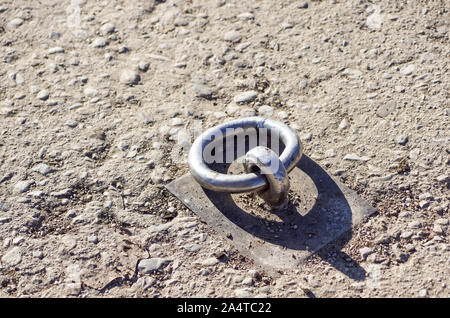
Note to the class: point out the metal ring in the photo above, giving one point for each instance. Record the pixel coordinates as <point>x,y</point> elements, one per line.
<point>246,182</point>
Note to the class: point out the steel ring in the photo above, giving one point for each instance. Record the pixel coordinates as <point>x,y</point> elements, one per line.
<point>248,182</point>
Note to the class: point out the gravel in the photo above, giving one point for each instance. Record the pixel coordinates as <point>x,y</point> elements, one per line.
<point>93,101</point>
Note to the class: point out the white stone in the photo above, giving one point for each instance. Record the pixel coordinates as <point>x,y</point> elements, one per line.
<point>210,261</point>
<point>354,157</point>
<point>55,50</point>
<point>107,29</point>
<point>90,92</point>
<point>232,36</point>
<point>42,168</point>
<point>365,251</point>
<point>15,23</point>
<point>22,186</point>
<point>246,16</point>
<point>99,42</point>
<point>243,293</point>
<point>202,91</point>
<point>352,73</point>
<point>13,257</point>
<point>246,97</point>
<point>408,70</point>
<point>176,122</point>
<point>148,266</point>
<point>374,21</point>
<point>129,77</point>
<point>265,111</point>
<point>343,124</point>
<point>43,94</point>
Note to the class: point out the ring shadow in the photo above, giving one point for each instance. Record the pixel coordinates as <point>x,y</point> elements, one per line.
<point>323,230</point>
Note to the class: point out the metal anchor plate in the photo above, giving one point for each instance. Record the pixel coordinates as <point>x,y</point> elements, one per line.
<point>320,210</point>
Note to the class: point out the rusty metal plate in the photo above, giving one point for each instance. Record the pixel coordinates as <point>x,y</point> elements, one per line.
<point>320,210</point>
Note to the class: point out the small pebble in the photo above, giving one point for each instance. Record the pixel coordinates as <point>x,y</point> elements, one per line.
<point>90,91</point>
<point>303,5</point>
<point>408,70</point>
<point>424,204</point>
<point>352,73</point>
<point>22,186</point>
<point>401,139</point>
<point>148,266</point>
<point>265,111</point>
<point>107,28</point>
<point>343,124</point>
<point>306,137</point>
<point>176,122</point>
<point>42,168</point>
<point>43,94</point>
<point>414,224</point>
<point>438,229</point>
<point>247,281</point>
<point>129,77</point>
<point>365,251</point>
<point>246,97</point>
<point>246,16</point>
<point>202,91</point>
<point>13,257</point>
<point>374,21</point>
<point>210,261</point>
<point>99,43</point>
<point>354,157</point>
<point>143,66</point>
<point>15,23</point>
<point>38,254</point>
<point>399,89</point>
<point>243,293</point>
<point>18,240</point>
<point>55,50</point>
<point>93,239</point>
<point>54,35</point>
<point>232,36</point>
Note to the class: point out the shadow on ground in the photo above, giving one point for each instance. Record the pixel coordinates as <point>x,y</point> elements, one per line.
<point>324,224</point>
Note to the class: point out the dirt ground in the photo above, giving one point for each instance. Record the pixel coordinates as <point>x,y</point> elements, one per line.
<point>93,93</point>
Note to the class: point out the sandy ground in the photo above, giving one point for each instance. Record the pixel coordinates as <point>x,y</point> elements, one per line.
<point>93,93</point>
